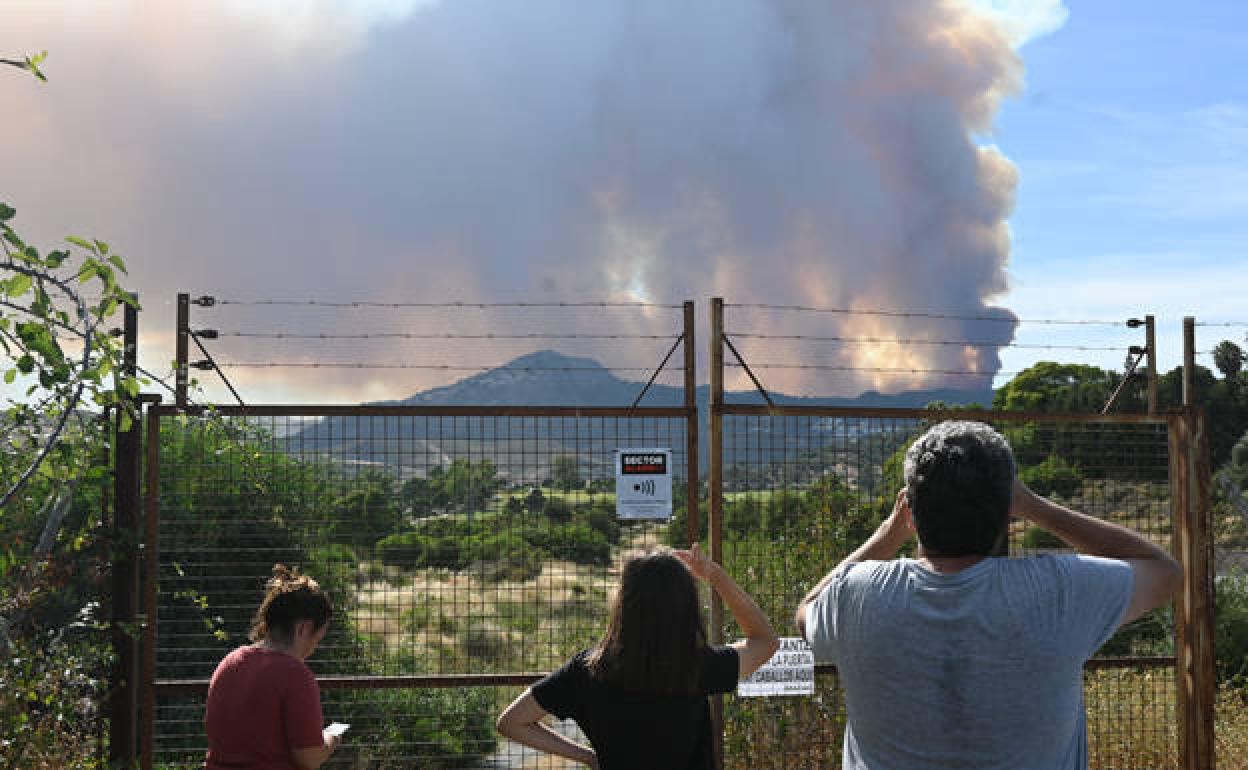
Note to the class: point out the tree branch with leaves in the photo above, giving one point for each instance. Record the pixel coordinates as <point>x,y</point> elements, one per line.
<point>30,64</point>
<point>43,311</point>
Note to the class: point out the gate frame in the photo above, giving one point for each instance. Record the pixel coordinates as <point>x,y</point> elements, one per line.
<point>151,687</point>
<point>1191,542</point>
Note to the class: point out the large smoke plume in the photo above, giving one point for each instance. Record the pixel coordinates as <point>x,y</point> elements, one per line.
<point>818,152</point>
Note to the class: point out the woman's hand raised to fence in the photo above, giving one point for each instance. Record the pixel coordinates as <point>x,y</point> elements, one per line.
<point>760,640</point>
<point>699,564</point>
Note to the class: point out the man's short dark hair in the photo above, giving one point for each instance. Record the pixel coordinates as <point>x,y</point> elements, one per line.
<point>959,479</point>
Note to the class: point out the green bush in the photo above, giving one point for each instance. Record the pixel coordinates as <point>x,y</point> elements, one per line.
<point>334,565</point>
<point>1150,634</point>
<point>484,643</point>
<point>1230,637</point>
<point>558,510</point>
<point>406,549</point>
<point>443,728</point>
<point>1038,538</point>
<point>573,542</point>
<point>601,517</point>
<point>1053,476</point>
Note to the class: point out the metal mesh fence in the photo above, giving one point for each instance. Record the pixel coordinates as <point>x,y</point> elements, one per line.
<point>405,727</point>
<point>466,553</point>
<point>803,490</point>
<point>453,545</point>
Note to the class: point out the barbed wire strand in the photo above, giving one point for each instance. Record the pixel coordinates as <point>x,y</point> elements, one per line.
<point>940,316</point>
<point>874,369</point>
<point>438,367</point>
<point>441,305</point>
<point>446,336</point>
<point>903,341</point>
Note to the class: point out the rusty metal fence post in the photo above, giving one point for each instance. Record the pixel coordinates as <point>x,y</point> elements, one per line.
<point>182,365</point>
<point>693,482</point>
<point>1189,458</point>
<point>124,684</point>
<point>151,551</point>
<point>715,499</point>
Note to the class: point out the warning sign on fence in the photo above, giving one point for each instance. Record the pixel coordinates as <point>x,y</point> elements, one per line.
<point>791,671</point>
<point>643,483</point>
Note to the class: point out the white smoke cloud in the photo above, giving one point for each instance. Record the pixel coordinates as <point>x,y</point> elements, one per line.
<point>1024,20</point>
<point>804,153</point>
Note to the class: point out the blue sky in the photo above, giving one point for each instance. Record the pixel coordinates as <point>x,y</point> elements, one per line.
<point>1131,141</point>
<point>480,150</point>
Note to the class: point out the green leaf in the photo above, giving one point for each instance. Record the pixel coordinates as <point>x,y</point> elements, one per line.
<point>32,63</point>
<point>26,364</point>
<point>80,242</point>
<point>118,263</point>
<point>10,376</point>
<point>18,285</point>
<point>89,269</point>
<point>55,259</point>
<point>101,246</point>
<point>7,212</point>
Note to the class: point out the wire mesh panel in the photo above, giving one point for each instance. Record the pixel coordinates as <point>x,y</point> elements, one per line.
<point>802,489</point>
<point>456,546</point>
<point>407,727</point>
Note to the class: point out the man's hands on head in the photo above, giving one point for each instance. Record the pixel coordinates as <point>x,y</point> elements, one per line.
<point>888,538</point>
<point>1157,575</point>
<point>899,526</point>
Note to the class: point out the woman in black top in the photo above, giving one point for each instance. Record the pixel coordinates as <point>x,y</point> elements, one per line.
<point>639,694</point>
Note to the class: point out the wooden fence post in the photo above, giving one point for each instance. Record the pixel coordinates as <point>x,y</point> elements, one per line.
<point>1189,453</point>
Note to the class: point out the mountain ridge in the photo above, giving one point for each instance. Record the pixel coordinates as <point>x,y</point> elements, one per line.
<point>550,378</point>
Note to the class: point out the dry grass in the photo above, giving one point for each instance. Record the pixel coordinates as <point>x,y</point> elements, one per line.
<point>463,622</point>
<point>1132,721</point>
<point>1231,728</point>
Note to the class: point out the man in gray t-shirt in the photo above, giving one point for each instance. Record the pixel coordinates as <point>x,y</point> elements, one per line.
<point>957,659</point>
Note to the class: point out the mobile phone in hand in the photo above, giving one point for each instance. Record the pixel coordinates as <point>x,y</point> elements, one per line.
<point>337,728</point>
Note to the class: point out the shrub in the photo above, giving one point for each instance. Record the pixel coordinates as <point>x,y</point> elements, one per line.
<point>558,510</point>
<point>1037,538</point>
<point>445,728</point>
<point>579,543</point>
<point>334,565</point>
<point>1230,637</point>
<point>1053,476</point>
<point>484,643</point>
<point>406,549</point>
<point>600,517</point>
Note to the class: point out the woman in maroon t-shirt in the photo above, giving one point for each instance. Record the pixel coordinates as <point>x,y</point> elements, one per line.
<point>264,706</point>
<point>639,694</point>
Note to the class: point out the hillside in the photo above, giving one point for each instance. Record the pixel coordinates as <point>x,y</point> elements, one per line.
<point>548,378</point>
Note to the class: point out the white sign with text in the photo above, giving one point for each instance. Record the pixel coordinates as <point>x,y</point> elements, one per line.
<point>643,483</point>
<point>791,671</point>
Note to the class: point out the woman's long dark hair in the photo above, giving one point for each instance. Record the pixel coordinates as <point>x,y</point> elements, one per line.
<point>655,630</point>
